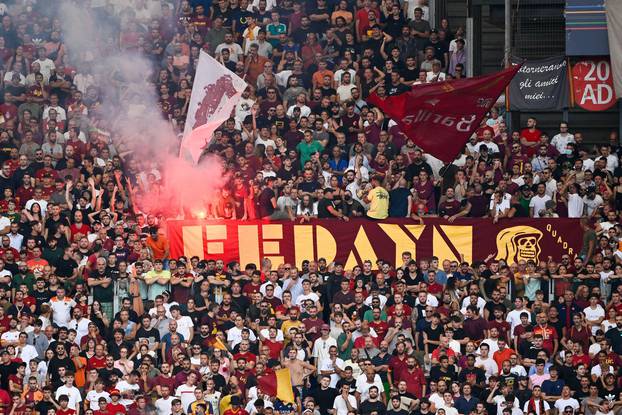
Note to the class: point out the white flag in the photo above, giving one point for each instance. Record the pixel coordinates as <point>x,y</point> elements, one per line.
<point>215,93</point>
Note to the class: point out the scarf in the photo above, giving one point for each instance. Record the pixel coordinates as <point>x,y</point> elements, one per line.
<point>531,406</point>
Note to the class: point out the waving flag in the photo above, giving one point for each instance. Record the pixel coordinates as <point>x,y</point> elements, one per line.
<point>215,93</point>
<point>614,25</point>
<point>277,383</point>
<point>440,117</point>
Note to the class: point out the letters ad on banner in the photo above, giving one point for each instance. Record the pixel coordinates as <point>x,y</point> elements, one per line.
<point>540,85</point>
<point>358,240</point>
<point>592,84</point>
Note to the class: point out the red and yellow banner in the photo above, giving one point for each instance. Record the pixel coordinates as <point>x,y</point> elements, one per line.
<point>358,240</point>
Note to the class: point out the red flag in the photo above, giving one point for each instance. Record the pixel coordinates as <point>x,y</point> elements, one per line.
<point>440,117</point>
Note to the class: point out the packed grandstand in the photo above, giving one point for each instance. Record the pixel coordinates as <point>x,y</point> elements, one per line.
<point>101,314</point>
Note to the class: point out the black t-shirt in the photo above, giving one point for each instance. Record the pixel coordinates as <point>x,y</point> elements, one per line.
<point>437,374</point>
<point>475,373</point>
<point>152,334</point>
<point>322,208</point>
<point>368,407</point>
<point>65,267</point>
<point>398,208</point>
<point>240,303</point>
<point>265,202</point>
<point>105,374</point>
<point>490,306</point>
<point>5,372</point>
<point>55,363</point>
<point>43,407</point>
<point>410,74</point>
<point>433,334</point>
<point>328,92</point>
<point>308,187</point>
<point>397,89</point>
<point>510,379</point>
<point>325,398</point>
<point>610,395</point>
<point>42,296</point>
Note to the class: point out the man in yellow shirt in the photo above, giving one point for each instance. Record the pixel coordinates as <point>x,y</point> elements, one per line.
<point>378,200</point>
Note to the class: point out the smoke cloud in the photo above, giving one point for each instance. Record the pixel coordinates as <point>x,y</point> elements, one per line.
<point>129,110</point>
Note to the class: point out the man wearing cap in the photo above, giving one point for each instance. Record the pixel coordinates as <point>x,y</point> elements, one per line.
<point>115,406</point>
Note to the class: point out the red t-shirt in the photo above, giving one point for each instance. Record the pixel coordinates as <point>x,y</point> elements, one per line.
<point>380,327</point>
<point>67,411</point>
<point>240,411</point>
<point>116,407</point>
<point>531,136</point>
<point>275,348</point>
<point>250,357</point>
<point>83,230</point>
<point>549,334</point>
<point>96,362</point>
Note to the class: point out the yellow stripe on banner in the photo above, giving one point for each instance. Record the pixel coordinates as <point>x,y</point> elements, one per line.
<point>284,390</point>
<point>248,240</point>
<point>193,241</point>
<point>303,243</point>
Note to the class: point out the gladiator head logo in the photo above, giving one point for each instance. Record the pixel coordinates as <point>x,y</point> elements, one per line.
<point>518,243</point>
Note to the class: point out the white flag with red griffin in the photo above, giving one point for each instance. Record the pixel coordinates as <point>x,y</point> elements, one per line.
<point>215,93</point>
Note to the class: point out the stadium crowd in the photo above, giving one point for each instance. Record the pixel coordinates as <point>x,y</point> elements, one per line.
<point>97,318</point>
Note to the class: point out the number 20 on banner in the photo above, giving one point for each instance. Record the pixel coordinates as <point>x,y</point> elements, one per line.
<point>592,85</point>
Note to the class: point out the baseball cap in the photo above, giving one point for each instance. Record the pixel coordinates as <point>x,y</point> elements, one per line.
<point>325,327</point>
<point>115,392</point>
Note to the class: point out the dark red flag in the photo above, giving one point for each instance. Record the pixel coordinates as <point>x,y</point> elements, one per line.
<point>440,117</point>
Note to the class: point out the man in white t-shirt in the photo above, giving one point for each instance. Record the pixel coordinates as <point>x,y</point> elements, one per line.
<point>538,201</point>
<point>71,391</point>
<point>61,307</point>
<point>485,362</point>
<point>536,402</point>
<point>95,395</point>
<point>592,200</point>
<point>594,313</point>
<point>185,325</point>
<point>344,402</point>
<point>235,51</point>
<point>566,401</point>
<point>165,403</point>
<point>575,202</point>
<point>513,316</point>
<point>561,140</point>
<point>185,391</point>
<point>333,366</point>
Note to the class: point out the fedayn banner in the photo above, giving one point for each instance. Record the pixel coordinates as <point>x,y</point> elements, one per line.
<point>353,242</point>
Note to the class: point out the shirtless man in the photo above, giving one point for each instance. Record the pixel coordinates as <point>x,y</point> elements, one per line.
<point>298,369</point>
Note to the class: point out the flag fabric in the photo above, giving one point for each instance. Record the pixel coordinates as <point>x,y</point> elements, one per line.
<point>215,93</point>
<point>440,117</point>
<point>279,384</point>
<point>614,28</point>
<point>218,344</point>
